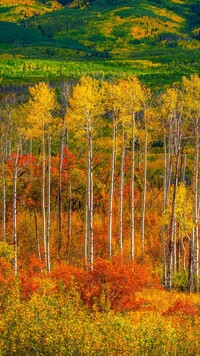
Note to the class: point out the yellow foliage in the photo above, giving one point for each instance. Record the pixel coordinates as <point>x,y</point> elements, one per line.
<point>40,110</point>
<point>166,13</point>
<point>85,106</point>
<point>192,94</point>
<point>148,27</point>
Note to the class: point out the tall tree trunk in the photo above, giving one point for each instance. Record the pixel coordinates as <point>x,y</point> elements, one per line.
<point>90,203</point>
<point>89,200</point>
<point>69,213</point>
<point>31,147</point>
<point>48,265</point>
<point>184,254</point>
<point>183,168</point>
<point>37,236</point>
<point>4,198</point>
<point>164,209</point>
<point>191,264</point>
<point>144,189</point>
<point>112,190</point>
<point>44,200</point>
<point>179,249</point>
<point>139,155</point>
<point>132,245</point>
<point>174,248</point>
<point>60,188</point>
<point>169,160</point>
<point>177,142</point>
<point>86,230</point>
<point>15,212</point>
<point>121,192</point>
<point>196,208</point>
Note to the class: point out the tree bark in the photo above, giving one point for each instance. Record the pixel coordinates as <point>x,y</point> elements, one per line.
<point>177,134</point>
<point>60,188</point>
<point>112,190</point>
<point>196,207</point>
<point>121,193</point>
<point>69,213</point>
<point>37,236</point>
<point>15,212</point>
<point>44,200</point>
<point>48,263</point>
<point>144,188</point>
<point>132,245</point>
<point>4,197</point>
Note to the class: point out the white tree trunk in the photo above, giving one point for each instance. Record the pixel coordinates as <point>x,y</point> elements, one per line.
<point>121,193</point>
<point>15,212</point>
<point>144,189</point>
<point>48,266</point>
<point>69,213</point>
<point>44,200</point>
<point>112,190</point>
<point>60,188</point>
<point>132,245</point>
<point>4,199</point>
<point>196,209</point>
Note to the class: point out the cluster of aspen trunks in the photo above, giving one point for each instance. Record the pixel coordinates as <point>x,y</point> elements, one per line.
<point>76,116</point>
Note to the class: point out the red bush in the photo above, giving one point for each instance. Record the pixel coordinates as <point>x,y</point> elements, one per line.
<point>183,308</point>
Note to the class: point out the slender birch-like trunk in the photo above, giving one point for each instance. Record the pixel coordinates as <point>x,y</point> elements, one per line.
<point>15,212</point>
<point>69,213</point>
<point>179,249</point>
<point>184,254</point>
<point>184,168</point>
<point>90,198</point>
<point>112,190</point>
<point>4,198</point>
<point>139,155</point>
<point>48,265</point>
<point>31,147</point>
<point>191,264</point>
<point>174,249</point>
<point>121,192</point>
<point>60,188</point>
<point>132,244</point>
<point>86,248</point>
<point>164,209</point>
<point>144,188</point>
<point>177,142</point>
<point>44,200</point>
<point>37,236</point>
<point>171,229</point>
<point>89,254</point>
<point>196,207</point>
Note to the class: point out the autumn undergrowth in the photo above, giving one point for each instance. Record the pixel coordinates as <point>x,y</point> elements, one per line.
<point>77,312</point>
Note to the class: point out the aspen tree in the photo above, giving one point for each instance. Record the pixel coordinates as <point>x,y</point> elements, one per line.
<point>165,125</point>
<point>15,176</point>
<point>40,109</point>
<point>172,102</point>
<point>111,95</point>
<point>148,115</point>
<point>133,95</point>
<point>6,124</point>
<point>192,99</point>
<point>65,96</point>
<point>17,123</point>
<point>82,117</point>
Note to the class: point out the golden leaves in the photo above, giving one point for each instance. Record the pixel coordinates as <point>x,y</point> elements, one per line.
<point>40,108</point>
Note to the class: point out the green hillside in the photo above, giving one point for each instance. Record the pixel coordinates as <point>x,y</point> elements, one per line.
<point>157,40</point>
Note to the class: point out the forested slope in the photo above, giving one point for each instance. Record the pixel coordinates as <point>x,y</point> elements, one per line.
<point>158,40</point>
